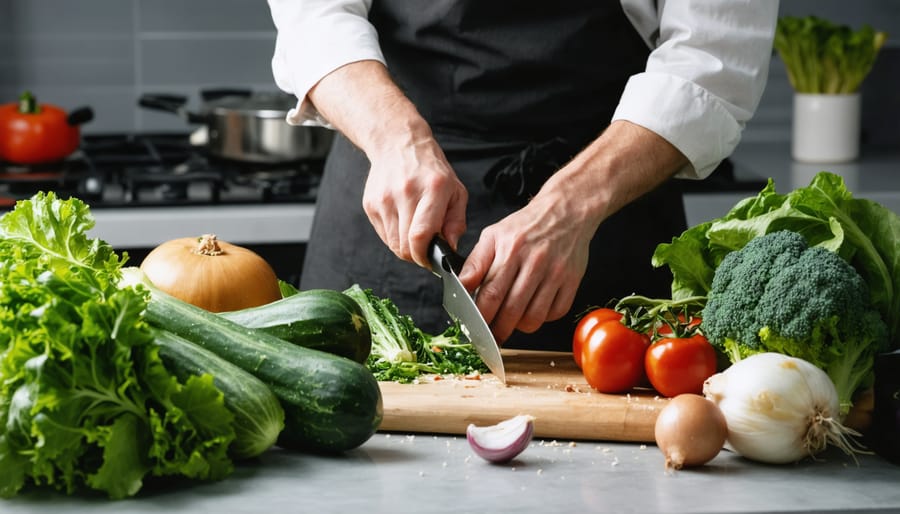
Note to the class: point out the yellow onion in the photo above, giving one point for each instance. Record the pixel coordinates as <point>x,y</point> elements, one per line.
<point>211,274</point>
<point>690,430</point>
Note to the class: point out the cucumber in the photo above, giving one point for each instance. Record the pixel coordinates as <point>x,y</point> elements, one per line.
<point>321,319</point>
<point>258,416</point>
<point>331,403</point>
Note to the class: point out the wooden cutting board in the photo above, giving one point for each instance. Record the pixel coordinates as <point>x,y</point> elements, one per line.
<point>546,385</point>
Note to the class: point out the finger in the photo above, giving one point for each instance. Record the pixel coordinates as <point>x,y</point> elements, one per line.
<point>440,204</point>
<point>552,299</point>
<point>516,300</point>
<point>538,308</point>
<point>563,301</point>
<point>425,224</point>
<point>455,219</point>
<point>373,212</point>
<point>406,212</point>
<point>478,263</point>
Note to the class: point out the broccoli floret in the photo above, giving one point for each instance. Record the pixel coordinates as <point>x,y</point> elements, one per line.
<point>778,294</point>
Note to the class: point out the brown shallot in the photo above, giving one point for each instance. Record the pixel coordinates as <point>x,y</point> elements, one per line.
<point>690,430</point>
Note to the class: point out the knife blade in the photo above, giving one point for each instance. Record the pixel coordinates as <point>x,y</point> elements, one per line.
<point>460,305</point>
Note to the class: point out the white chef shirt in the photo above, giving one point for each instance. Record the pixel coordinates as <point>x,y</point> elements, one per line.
<point>706,72</point>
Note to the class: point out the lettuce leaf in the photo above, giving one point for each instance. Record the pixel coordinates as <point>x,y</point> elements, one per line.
<point>863,232</point>
<point>85,401</point>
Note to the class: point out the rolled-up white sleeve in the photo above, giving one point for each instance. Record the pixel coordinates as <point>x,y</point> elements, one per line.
<point>314,38</point>
<point>705,75</point>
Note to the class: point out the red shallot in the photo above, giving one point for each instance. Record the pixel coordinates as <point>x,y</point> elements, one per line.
<point>501,442</point>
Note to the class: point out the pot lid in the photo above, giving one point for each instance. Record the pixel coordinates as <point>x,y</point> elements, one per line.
<point>263,104</point>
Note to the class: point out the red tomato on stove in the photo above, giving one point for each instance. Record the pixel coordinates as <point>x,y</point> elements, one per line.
<point>586,324</point>
<point>612,359</point>
<point>677,365</point>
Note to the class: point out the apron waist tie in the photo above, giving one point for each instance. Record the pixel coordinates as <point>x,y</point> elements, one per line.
<point>516,178</point>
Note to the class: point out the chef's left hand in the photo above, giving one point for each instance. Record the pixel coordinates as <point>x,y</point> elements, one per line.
<point>527,267</point>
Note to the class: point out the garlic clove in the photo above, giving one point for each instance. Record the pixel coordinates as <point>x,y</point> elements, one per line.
<point>501,442</point>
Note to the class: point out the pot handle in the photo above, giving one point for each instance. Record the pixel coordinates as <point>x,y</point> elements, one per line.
<point>170,103</point>
<point>209,95</point>
<point>80,116</point>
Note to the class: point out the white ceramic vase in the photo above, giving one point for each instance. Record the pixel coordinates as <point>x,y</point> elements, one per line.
<point>826,127</point>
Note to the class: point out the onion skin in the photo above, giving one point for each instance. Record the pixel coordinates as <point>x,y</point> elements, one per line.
<point>690,431</point>
<point>211,274</point>
<point>502,442</point>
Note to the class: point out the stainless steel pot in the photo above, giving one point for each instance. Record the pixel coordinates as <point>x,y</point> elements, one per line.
<point>248,127</point>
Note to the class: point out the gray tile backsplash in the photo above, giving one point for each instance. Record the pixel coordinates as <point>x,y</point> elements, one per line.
<point>204,16</point>
<point>106,53</point>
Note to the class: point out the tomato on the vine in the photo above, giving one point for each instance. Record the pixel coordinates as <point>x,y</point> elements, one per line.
<point>586,324</point>
<point>677,365</point>
<point>612,357</point>
<point>664,329</point>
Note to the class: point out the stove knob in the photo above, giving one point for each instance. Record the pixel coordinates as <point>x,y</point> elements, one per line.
<point>92,186</point>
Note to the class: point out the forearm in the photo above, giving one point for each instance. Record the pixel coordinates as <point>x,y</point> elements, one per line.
<point>411,191</point>
<point>361,100</point>
<point>624,163</point>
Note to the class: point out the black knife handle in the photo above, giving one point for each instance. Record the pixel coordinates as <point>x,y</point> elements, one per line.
<point>444,256</point>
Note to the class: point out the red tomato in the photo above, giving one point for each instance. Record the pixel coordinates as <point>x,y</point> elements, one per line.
<point>677,365</point>
<point>586,324</point>
<point>34,134</point>
<point>612,358</point>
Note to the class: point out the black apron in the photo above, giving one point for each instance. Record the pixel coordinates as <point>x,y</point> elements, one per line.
<point>511,91</point>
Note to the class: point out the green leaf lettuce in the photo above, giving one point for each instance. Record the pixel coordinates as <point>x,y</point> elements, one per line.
<point>85,401</point>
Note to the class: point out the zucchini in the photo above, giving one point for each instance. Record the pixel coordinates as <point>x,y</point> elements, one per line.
<point>321,319</point>
<point>331,403</point>
<point>258,416</point>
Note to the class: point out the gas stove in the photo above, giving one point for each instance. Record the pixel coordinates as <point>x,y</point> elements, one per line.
<point>144,189</point>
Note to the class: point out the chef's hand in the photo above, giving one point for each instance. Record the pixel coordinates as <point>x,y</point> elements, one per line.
<point>527,267</point>
<point>411,194</point>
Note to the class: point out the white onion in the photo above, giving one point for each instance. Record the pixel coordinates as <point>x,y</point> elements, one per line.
<point>501,442</point>
<point>778,408</point>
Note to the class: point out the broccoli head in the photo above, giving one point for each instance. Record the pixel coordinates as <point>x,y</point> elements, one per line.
<point>778,294</point>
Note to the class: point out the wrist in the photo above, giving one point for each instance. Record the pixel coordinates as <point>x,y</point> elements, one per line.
<point>624,163</point>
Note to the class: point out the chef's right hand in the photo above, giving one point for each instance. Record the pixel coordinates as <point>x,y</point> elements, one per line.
<point>413,193</point>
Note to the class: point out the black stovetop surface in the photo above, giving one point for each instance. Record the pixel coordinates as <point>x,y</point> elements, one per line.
<point>150,170</point>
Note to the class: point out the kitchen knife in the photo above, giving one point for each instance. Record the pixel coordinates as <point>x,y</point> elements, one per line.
<point>447,264</point>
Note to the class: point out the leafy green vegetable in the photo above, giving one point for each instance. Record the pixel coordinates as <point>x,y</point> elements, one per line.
<point>85,401</point>
<point>778,294</point>
<point>863,232</point>
<point>402,352</point>
<point>823,57</point>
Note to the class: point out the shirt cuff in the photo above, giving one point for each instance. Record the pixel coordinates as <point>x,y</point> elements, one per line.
<point>300,62</point>
<point>686,115</point>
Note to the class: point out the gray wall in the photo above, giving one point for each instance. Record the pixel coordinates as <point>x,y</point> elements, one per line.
<point>106,53</point>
